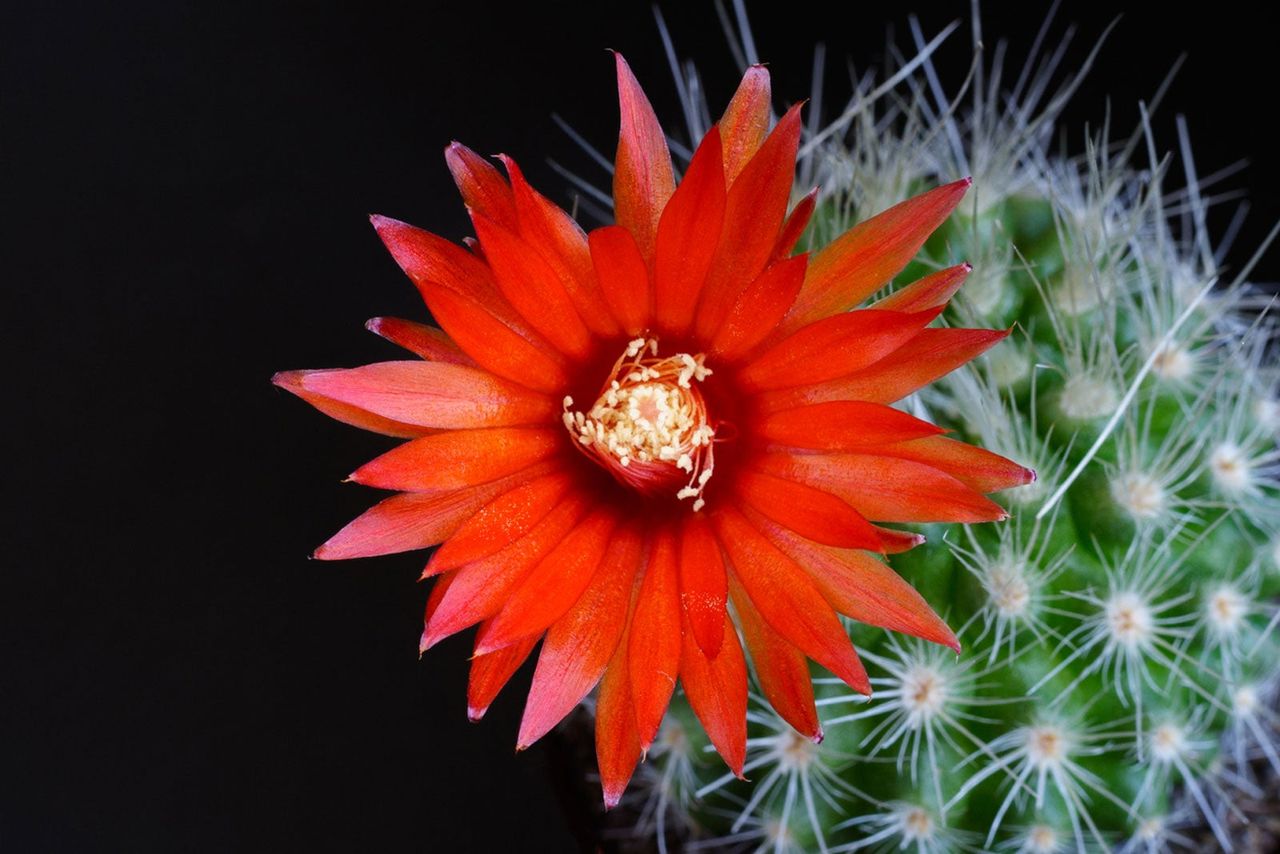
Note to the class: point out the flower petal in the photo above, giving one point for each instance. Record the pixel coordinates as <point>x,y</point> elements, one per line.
<point>810,512</point>
<point>974,467</point>
<point>491,671</point>
<point>499,523</point>
<point>533,287</point>
<point>495,344</point>
<point>782,669</point>
<point>757,310</point>
<point>482,187</point>
<point>617,739</point>
<point>896,542</point>
<point>433,394</point>
<point>478,590</point>
<point>405,522</point>
<point>623,276</point>
<point>833,347</point>
<point>863,588</point>
<point>796,223</point>
<point>787,599</point>
<point>428,259</point>
<point>856,264</point>
<point>931,354</point>
<point>580,644</point>
<point>643,179</point>
<point>459,458</point>
<point>422,340</point>
<point>745,121</point>
<point>687,237</point>
<point>291,381</point>
<point>843,425</point>
<point>886,489</point>
<point>653,656</point>
<point>754,211</point>
<point>717,690</point>
<point>931,291</point>
<point>703,586</point>
<point>549,590</point>
<point>562,243</point>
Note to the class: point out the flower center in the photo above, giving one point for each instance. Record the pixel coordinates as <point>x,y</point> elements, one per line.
<point>649,426</point>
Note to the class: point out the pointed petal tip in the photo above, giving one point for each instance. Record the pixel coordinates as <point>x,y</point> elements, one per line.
<point>1031,476</point>
<point>818,736</point>
<point>476,713</point>
<point>612,797</point>
<point>968,268</point>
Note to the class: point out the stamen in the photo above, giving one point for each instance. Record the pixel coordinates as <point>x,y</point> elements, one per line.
<point>649,427</point>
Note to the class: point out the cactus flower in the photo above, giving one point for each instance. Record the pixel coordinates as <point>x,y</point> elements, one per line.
<point>614,435</point>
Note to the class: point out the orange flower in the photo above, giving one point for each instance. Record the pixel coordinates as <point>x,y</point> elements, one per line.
<point>616,434</point>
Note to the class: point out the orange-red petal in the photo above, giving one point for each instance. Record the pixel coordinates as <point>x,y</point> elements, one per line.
<point>810,512</point>
<point>833,347</point>
<point>551,587</point>
<point>787,599</point>
<point>856,264</point>
<point>931,291</point>
<point>687,237</point>
<point>422,340</point>
<point>717,690</point>
<point>617,739</point>
<point>623,276</point>
<point>843,425</point>
<point>578,647</point>
<point>757,310</point>
<point>482,187</point>
<point>491,671</point>
<point>459,458</point>
<point>643,179</point>
<point>797,222</point>
<point>973,466</point>
<point>653,657</point>
<point>745,121</point>
<point>291,381</point>
<point>433,394</point>
<point>782,669</point>
<point>499,523</point>
<point>703,585</point>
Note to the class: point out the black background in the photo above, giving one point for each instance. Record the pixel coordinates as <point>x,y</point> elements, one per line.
<point>185,195</point>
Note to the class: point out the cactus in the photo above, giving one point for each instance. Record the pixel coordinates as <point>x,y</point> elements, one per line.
<point>1121,658</point>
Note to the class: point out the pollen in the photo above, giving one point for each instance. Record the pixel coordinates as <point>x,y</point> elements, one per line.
<point>649,426</point>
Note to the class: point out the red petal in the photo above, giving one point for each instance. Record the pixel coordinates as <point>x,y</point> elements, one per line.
<point>843,425</point>
<point>717,692</point>
<point>896,542</point>
<point>433,394</point>
<point>438,590</point>
<point>459,458</point>
<point>787,599</point>
<point>533,287</point>
<point>291,381</point>
<point>653,657</point>
<point>617,741</point>
<point>745,121</point>
<point>810,512</point>
<point>887,489</point>
<point>687,237</point>
<point>834,347</point>
<point>563,245</point>
<point>428,259</point>
<point>406,522</point>
<point>795,225</point>
<point>931,291</point>
<point>856,264</point>
<point>758,309</point>
<point>578,647</point>
<point>498,524</point>
<point>495,344</point>
<point>643,179</point>
<point>754,210</point>
<point>931,354</point>
<point>972,466</point>
<point>481,185</point>
<point>478,590</point>
<point>491,671</point>
<point>782,669</point>
<point>549,590</point>
<point>624,277</point>
<point>861,587</point>
<point>703,586</point>
<point>425,341</point>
